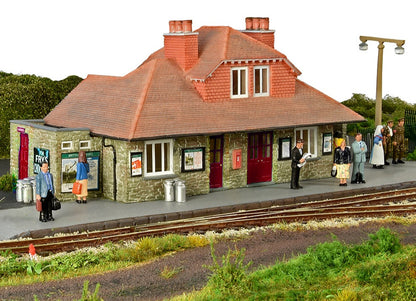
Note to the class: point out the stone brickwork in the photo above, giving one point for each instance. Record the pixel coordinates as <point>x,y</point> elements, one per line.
<point>116,181</point>
<point>235,178</point>
<point>316,168</point>
<point>142,188</point>
<point>50,138</point>
<point>281,168</point>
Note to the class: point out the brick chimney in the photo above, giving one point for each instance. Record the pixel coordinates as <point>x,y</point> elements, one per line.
<point>258,28</point>
<point>181,43</point>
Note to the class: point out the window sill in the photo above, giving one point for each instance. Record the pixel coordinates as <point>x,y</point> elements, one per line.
<point>160,177</point>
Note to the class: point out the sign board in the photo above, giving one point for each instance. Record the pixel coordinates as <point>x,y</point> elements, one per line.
<point>136,164</point>
<point>193,159</point>
<point>69,170</point>
<point>40,155</point>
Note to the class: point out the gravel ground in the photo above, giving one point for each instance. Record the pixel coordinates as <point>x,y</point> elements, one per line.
<point>145,283</point>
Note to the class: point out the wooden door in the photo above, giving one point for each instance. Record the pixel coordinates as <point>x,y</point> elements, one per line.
<point>259,157</point>
<point>216,144</point>
<point>24,156</point>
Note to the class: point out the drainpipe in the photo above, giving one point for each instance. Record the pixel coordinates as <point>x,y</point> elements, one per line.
<point>114,169</point>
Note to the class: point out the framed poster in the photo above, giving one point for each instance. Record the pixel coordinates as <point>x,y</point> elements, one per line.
<point>40,155</point>
<point>193,159</point>
<point>136,164</point>
<point>69,170</point>
<point>327,143</point>
<point>285,145</point>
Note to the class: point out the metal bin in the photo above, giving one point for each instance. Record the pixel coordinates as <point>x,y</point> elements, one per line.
<point>169,190</point>
<point>180,191</point>
<point>19,190</point>
<point>27,192</point>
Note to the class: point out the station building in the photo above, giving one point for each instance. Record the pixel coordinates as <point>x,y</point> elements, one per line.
<point>218,108</point>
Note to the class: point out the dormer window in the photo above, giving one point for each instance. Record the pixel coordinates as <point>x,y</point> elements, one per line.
<point>239,82</point>
<point>261,81</point>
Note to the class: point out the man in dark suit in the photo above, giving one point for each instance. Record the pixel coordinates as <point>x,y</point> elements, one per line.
<point>296,156</point>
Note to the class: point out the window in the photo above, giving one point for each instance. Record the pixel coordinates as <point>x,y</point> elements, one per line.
<point>159,157</point>
<point>239,82</point>
<point>261,81</point>
<point>85,144</point>
<point>310,137</point>
<point>66,145</point>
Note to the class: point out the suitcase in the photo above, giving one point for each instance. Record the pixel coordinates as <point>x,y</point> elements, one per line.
<point>38,205</point>
<point>76,188</point>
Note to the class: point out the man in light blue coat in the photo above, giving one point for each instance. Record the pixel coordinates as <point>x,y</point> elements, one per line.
<point>359,150</point>
<point>45,192</point>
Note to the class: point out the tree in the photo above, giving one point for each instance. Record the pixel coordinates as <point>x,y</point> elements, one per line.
<point>28,97</point>
<point>393,109</point>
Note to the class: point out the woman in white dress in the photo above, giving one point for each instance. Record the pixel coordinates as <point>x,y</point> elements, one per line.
<point>377,153</point>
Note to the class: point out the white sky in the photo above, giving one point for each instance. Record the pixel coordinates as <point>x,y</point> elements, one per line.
<point>58,38</point>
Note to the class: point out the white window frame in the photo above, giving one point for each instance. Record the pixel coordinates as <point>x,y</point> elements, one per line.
<point>165,170</point>
<point>88,142</point>
<point>308,138</point>
<point>239,69</point>
<point>262,93</point>
<point>63,147</point>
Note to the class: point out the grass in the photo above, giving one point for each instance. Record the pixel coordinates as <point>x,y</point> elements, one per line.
<point>15,270</point>
<point>378,269</point>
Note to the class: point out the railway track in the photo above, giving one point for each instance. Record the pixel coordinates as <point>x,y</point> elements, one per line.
<point>397,202</point>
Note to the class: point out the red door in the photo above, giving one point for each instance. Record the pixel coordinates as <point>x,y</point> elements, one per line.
<point>259,162</point>
<point>24,156</point>
<point>216,144</point>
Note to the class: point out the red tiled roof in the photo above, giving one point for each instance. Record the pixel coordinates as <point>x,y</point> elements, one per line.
<point>158,99</point>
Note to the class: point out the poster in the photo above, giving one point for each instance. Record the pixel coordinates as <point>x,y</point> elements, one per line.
<point>193,159</point>
<point>284,148</point>
<point>40,155</point>
<point>136,164</point>
<point>327,143</point>
<point>69,170</point>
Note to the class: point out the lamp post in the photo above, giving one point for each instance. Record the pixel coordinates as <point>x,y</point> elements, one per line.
<point>399,50</point>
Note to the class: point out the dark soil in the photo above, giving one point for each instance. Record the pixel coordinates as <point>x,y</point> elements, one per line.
<point>145,282</point>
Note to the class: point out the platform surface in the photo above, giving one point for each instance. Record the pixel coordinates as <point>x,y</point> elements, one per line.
<point>17,218</point>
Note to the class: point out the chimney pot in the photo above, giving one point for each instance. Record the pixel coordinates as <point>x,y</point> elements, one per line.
<point>187,25</point>
<point>256,23</point>
<point>249,23</point>
<point>264,23</point>
<point>178,25</point>
<point>172,26</point>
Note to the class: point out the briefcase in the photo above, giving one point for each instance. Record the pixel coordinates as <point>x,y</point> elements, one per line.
<point>56,204</point>
<point>76,188</point>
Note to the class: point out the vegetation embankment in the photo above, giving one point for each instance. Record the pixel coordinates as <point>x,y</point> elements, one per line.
<point>379,268</point>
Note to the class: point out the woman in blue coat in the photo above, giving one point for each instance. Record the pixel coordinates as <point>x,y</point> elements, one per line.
<point>83,169</point>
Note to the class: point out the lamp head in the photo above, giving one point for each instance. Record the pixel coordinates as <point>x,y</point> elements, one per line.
<point>399,50</point>
<point>363,46</point>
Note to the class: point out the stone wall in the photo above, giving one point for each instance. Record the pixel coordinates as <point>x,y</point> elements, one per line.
<point>50,138</point>
<point>235,178</point>
<point>116,180</point>
<point>142,188</point>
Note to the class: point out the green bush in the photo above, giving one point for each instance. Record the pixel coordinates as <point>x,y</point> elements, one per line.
<point>412,156</point>
<point>8,182</point>
<point>229,280</point>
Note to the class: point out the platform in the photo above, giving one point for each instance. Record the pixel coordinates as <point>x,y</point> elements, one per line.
<point>24,217</point>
